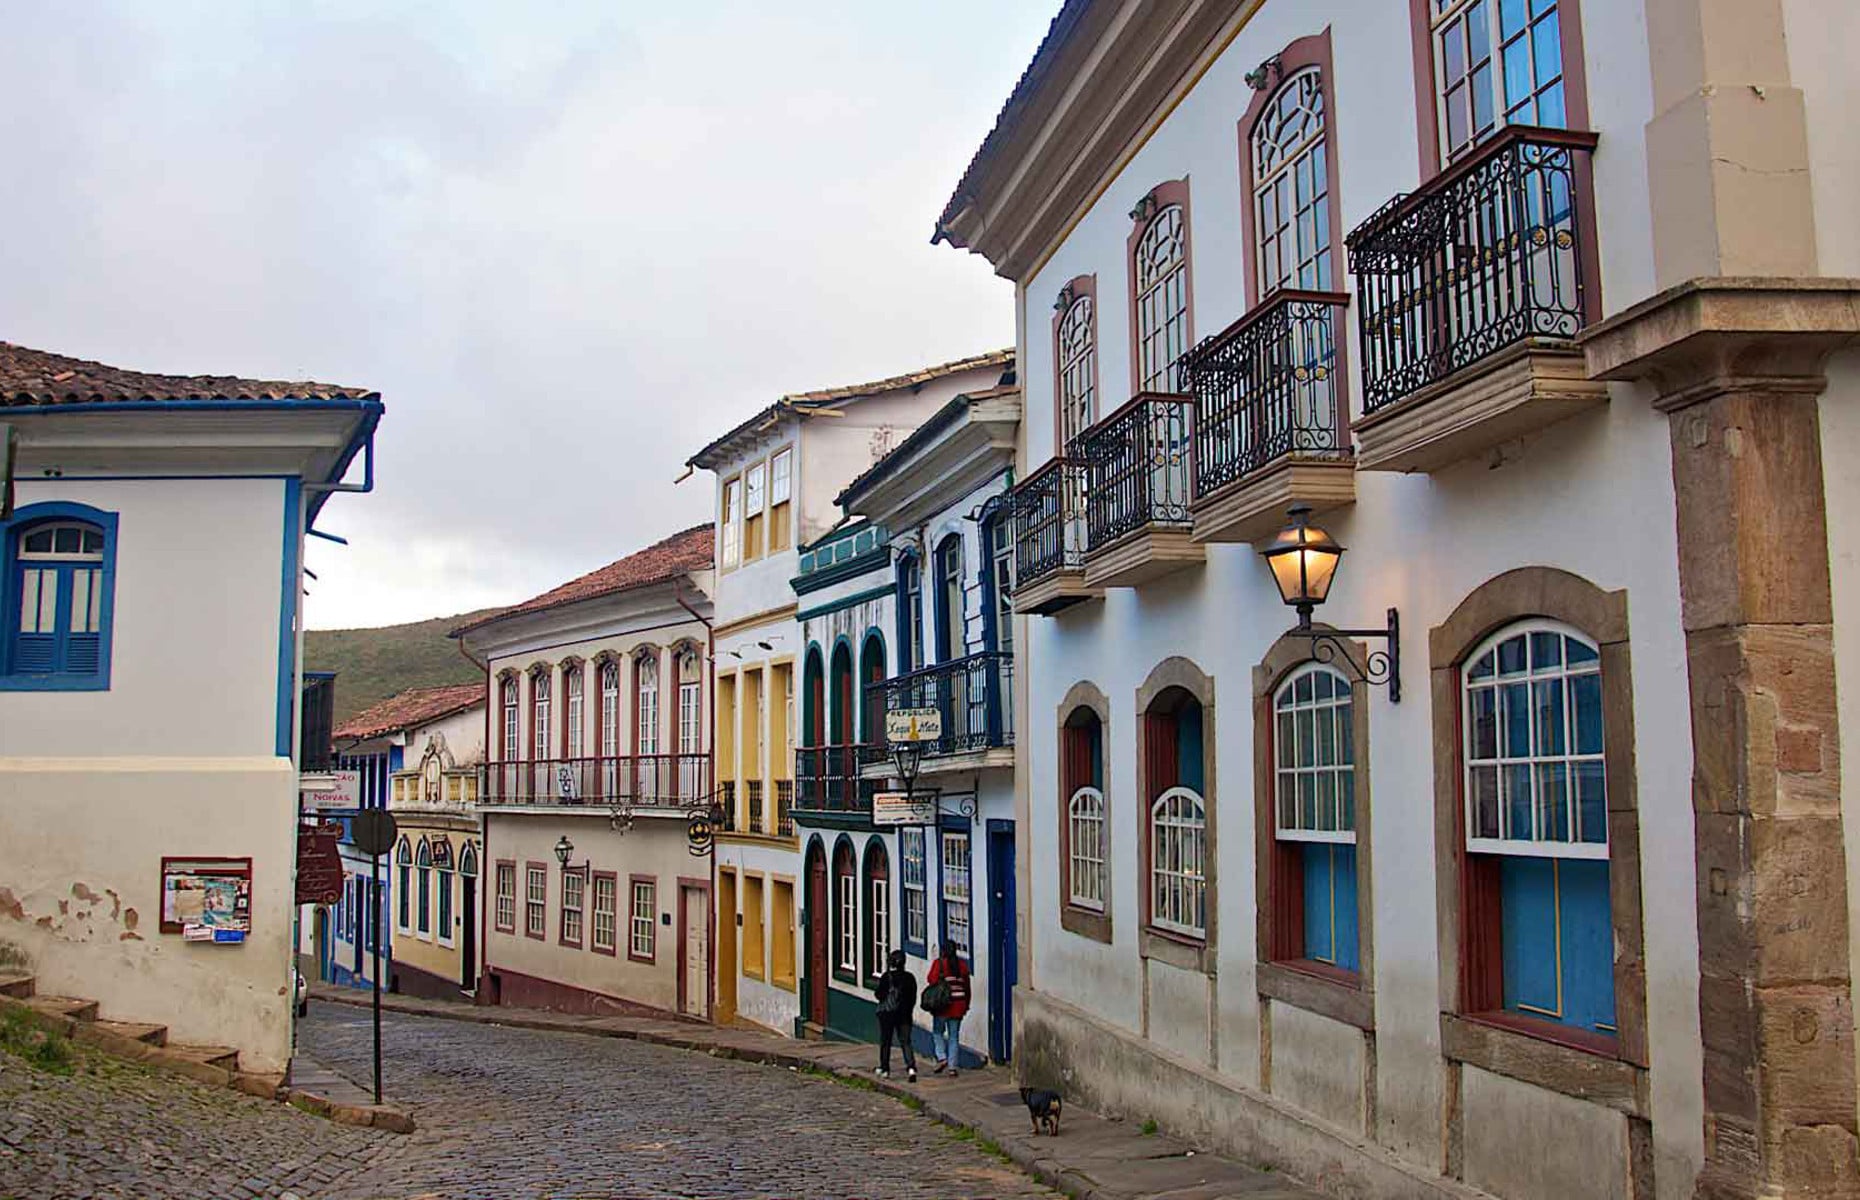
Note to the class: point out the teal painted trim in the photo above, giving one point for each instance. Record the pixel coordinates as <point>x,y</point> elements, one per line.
<point>32,514</point>
<point>846,602</point>
<point>875,560</point>
<point>291,582</point>
<point>814,818</point>
<point>850,1016</point>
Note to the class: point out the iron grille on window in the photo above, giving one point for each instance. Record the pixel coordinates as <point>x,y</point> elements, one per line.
<point>1137,467</point>
<point>784,808</point>
<point>726,796</point>
<point>754,788</point>
<point>668,780</point>
<point>1486,255</point>
<point>1266,388</point>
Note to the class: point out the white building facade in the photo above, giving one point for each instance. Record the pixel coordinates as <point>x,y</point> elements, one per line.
<point>1545,327</point>
<point>776,476</point>
<point>148,790</point>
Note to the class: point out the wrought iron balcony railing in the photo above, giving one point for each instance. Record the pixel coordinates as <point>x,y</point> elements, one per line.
<point>754,788</point>
<point>826,778</point>
<point>1489,253</point>
<point>1048,510</point>
<point>784,808</point>
<point>647,779</point>
<point>1266,388</point>
<point>974,695</point>
<point>1137,468</point>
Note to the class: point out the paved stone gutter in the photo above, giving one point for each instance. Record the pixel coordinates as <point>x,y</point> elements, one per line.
<point>1092,1159</point>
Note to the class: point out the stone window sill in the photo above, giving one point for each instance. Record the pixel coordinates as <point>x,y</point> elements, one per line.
<point>1571,1061</point>
<point>1086,923</point>
<point>1316,987</point>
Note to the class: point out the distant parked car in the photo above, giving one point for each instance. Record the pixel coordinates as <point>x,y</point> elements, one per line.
<point>300,989</point>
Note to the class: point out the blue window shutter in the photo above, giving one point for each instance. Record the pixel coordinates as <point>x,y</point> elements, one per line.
<point>35,654</point>
<point>1330,905</point>
<point>1545,897</point>
<point>1319,943</point>
<point>1588,944</point>
<point>83,653</point>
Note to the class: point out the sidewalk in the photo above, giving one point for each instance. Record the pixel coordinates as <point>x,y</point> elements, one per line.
<point>1092,1158</point>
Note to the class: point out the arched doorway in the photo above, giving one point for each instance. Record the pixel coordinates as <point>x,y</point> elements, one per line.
<point>818,927</point>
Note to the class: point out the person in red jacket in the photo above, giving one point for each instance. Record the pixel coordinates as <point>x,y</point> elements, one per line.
<point>949,968</point>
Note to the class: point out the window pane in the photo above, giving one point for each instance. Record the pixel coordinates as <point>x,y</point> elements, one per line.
<point>1591,803</point>
<point>1515,741</point>
<point>1517,782</point>
<point>1547,699</point>
<point>1511,656</point>
<point>1585,700</point>
<point>1552,803</point>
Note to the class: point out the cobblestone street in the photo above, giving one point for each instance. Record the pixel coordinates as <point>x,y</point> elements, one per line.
<point>503,1113</point>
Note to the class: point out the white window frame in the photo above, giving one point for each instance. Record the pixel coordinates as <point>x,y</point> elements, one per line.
<point>512,700</point>
<point>1305,719</point>
<point>442,925</point>
<point>957,890</point>
<point>536,902</point>
<point>755,491</point>
<point>1178,862</point>
<point>574,889</point>
<point>541,731</point>
<point>1078,370</point>
<point>913,878</point>
<point>690,704</point>
<point>781,477</point>
<point>1281,167</point>
<point>1459,14</point>
<point>605,929</point>
<point>1085,848</point>
<point>731,544</point>
<point>643,919</point>
<point>573,686</point>
<point>846,887</point>
<point>423,904</point>
<point>1504,764</point>
<point>646,688</point>
<point>505,918</point>
<point>610,709</point>
<point>1162,299</point>
<point>880,900</point>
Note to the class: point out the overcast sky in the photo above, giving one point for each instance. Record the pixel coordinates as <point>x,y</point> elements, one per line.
<point>567,242</point>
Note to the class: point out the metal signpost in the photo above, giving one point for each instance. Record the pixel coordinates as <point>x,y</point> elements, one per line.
<point>372,831</point>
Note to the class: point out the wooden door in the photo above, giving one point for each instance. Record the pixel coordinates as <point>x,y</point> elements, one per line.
<point>694,938</point>
<point>817,937</point>
<point>468,952</point>
<point>726,947</point>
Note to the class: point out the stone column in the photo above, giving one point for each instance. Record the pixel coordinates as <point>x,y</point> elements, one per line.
<point>1737,367</point>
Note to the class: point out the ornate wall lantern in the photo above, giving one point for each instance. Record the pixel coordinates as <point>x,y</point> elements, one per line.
<point>1303,560</point>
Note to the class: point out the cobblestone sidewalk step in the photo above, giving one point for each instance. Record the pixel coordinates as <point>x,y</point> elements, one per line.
<point>69,1007</point>
<point>1093,1158</point>
<point>17,984</point>
<point>136,1031</point>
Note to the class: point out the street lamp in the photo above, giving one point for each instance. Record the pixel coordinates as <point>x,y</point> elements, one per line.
<point>1303,560</point>
<point>564,850</point>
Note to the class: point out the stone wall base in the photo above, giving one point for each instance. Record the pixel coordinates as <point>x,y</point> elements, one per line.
<point>517,990</point>
<point>1119,1074</point>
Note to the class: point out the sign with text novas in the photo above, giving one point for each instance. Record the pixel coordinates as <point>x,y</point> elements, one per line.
<point>913,725</point>
<point>904,808</point>
<point>319,863</point>
<point>345,792</point>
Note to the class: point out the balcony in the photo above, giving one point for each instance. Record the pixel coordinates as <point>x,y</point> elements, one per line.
<point>1048,513</point>
<point>827,779</point>
<point>975,696</point>
<point>1470,293</point>
<point>1269,417</point>
<point>1137,471</point>
<point>646,780</point>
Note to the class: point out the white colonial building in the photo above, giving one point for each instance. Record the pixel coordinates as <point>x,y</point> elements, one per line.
<point>1538,309</point>
<point>598,754</point>
<point>776,476</point>
<point>150,579</point>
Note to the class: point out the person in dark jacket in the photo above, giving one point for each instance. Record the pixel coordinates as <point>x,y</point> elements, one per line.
<point>897,999</point>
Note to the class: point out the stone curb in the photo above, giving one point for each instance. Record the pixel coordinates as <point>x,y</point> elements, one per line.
<point>1045,1170</point>
<point>265,1087</point>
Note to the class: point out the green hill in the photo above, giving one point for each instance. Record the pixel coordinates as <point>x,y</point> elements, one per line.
<point>373,664</point>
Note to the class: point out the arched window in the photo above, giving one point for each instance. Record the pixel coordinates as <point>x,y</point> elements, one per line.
<point>951,632</point>
<point>403,858</point>
<point>846,908</point>
<point>57,594</point>
<point>1291,187</point>
<point>1082,781</point>
<point>573,715</point>
<point>540,723</point>
<point>1536,800</point>
<point>646,676</point>
<point>509,701</point>
<point>423,859</point>
<point>1314,810</point>
<point>1178,862</point>
<point>468,860</point>
<point>814,700</point>
<point>1159,271</point>
<point>1174,774</point>
<point>1076,354</point>
<point>442,866</point>
<point>842,713</point>
<point>1495,64</point>
<point>690,702</point>
<point>872,698</point>
<point>878,908</point>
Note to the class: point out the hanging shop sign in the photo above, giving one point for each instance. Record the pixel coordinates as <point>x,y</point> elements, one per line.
<point>319,863</point>
<point>904,808</point>
<point>206,899</point>
<point>913,725</point>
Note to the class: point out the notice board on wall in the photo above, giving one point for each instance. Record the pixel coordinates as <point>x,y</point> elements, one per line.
<point>206,899</point>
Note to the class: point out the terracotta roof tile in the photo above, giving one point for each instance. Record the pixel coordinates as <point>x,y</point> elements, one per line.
<point>39,377</point>
<point>685,551</point>
<point>415,706</point>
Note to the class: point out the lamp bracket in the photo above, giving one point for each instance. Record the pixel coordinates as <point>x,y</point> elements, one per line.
<point>1378,666</point>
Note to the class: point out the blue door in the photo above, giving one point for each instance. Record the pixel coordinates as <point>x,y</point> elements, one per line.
<point>1003,954</point>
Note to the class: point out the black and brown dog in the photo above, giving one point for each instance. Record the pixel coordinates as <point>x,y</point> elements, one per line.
<point>1044,1107</point>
